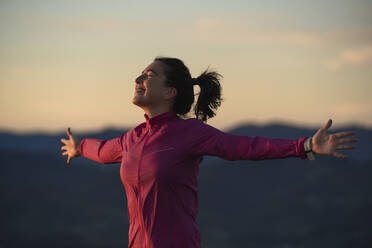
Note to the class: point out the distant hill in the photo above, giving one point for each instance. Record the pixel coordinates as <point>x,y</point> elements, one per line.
<point>273,203</point>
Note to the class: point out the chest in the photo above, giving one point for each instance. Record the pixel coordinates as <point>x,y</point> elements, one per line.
<point>161,156</point>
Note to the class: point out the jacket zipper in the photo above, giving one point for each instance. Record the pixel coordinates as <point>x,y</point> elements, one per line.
<point>139,199</point>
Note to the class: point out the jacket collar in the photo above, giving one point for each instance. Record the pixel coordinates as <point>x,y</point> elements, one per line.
<point>160,119</point>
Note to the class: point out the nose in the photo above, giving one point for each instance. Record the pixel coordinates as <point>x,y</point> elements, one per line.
<point>140,79</point>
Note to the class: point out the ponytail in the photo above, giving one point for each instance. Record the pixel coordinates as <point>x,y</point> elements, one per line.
<point>209,96</point>
<point>178,76</point>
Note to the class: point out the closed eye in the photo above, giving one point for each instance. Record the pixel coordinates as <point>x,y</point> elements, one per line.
<point>150,72</point>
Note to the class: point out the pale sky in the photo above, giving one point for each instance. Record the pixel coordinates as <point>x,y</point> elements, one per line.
<point>73,63</point>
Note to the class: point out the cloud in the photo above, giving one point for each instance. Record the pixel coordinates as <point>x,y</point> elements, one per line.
<point>244,31</point>
<point>237,31</point>
<point>351,57</point>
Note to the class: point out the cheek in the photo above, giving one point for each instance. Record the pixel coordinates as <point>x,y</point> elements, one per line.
<point>154,89</point>
<point>155,93</point>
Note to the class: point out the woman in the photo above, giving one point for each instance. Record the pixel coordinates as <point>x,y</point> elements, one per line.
<point>160,157</point>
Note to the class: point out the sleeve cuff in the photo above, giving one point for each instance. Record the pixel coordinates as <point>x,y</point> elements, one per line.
<point>80,147</point>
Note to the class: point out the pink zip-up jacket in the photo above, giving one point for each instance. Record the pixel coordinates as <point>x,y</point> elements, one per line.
<point>159,169</point>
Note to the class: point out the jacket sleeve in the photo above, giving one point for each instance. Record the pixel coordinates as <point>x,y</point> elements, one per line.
<point>207,140</point>
<point>103,151</point>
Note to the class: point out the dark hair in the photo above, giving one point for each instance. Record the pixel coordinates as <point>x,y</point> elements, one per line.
<point>179,77</point>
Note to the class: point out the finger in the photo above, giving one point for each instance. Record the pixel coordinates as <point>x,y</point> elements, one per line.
<point>68,160</point>
<point>63,148</point>
<point>327,125</point>
<point>347,140</point>
<point>64,153</point>
<point>64,141</point>
<point>69,132</point>
<point>345,147</point>
<point>339,155</point>
<point>343,134</point>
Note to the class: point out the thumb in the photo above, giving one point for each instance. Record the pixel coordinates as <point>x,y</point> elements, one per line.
<point>69,132</point>
<point>327,125</point>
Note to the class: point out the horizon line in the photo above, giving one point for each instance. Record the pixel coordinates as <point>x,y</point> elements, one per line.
<point>239,124</point>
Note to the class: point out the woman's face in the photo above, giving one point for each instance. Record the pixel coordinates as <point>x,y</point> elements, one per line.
<point>150,88</point>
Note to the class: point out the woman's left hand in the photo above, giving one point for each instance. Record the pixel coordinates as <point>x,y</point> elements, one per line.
<point>327,144</point>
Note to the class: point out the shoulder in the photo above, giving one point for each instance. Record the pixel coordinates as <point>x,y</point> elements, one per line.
<point>199,127</point>
<point>193,122</point>
<point>140,126</point>
<point>137,130</point>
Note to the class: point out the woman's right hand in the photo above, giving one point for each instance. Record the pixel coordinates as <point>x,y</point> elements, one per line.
<point>71,146</point>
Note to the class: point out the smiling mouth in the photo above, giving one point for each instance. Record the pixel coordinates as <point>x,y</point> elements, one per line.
<point>140,91</point>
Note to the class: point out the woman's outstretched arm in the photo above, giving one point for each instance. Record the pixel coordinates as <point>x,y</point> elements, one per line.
<point>102,151</point>
<point>207,140</point>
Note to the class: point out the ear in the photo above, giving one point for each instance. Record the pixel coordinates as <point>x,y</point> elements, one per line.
<point>170,93</point>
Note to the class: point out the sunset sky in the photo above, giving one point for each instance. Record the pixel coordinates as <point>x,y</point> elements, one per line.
<point>73,63</point>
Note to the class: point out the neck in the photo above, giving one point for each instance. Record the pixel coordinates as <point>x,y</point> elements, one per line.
<point>151,112</point>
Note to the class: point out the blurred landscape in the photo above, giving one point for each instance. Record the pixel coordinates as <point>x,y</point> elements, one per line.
<point>280,203</point>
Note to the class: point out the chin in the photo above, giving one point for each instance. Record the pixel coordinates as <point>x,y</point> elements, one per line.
<point>137,102</point>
